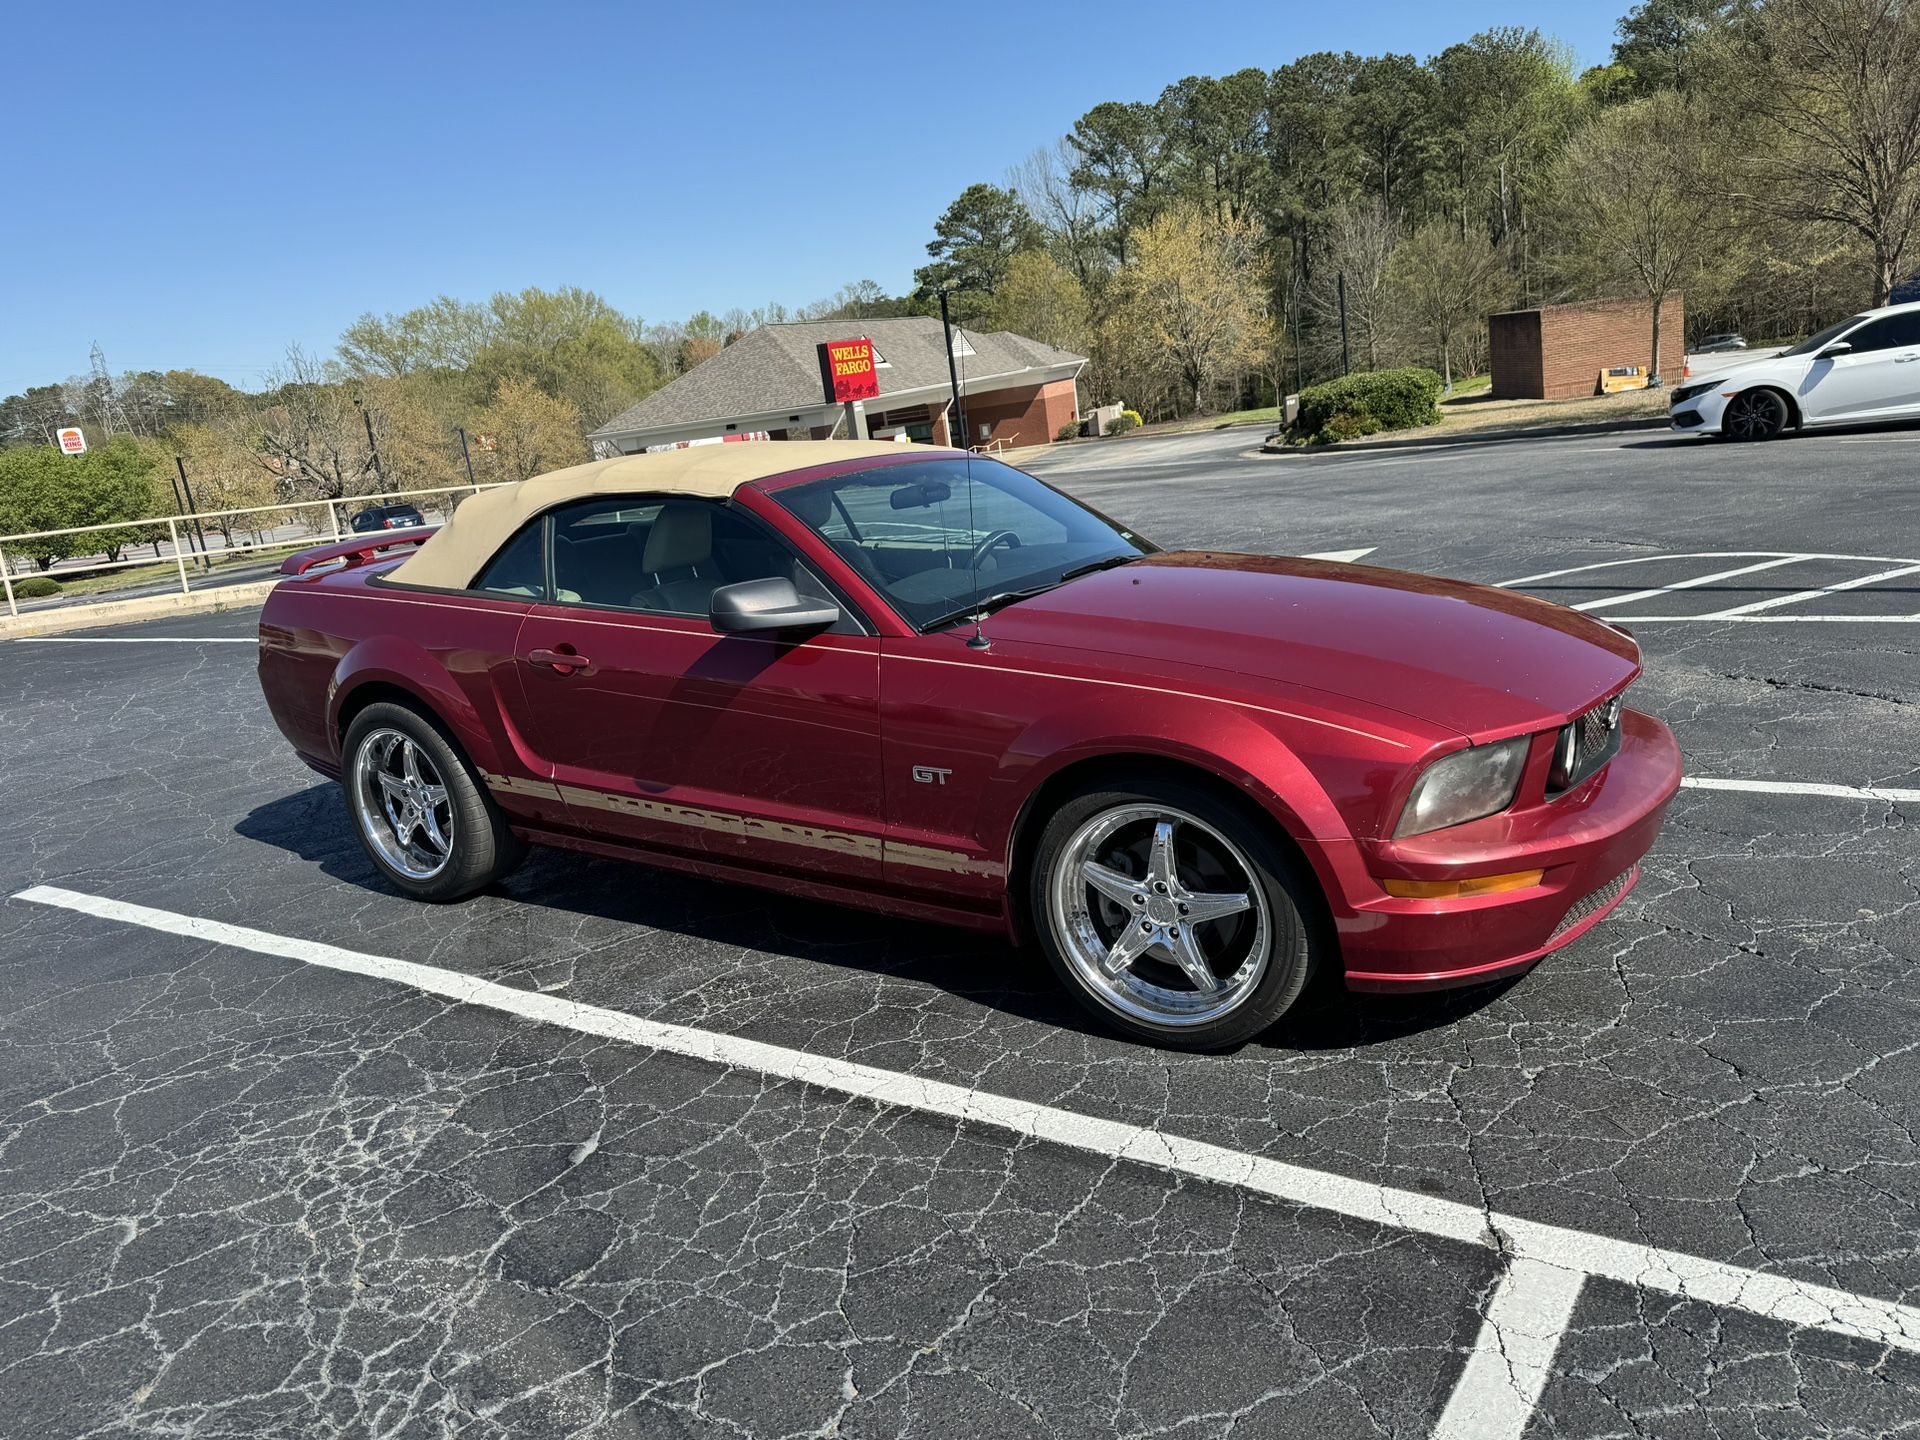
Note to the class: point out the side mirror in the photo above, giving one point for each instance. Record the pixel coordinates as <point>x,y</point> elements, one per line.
<point>770,604</point>
<point>1839,347</point>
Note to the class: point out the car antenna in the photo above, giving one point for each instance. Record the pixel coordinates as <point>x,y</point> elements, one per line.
<point>978,640</point>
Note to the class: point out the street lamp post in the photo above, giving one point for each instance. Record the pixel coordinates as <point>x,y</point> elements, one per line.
<point>187,485</point>
<point>953,371</point>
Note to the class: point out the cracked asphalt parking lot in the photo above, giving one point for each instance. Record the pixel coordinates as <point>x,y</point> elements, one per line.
<point>248,1189</point>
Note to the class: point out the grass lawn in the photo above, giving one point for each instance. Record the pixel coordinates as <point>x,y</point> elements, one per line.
<point>138,575</point>
<point>1266,415</point>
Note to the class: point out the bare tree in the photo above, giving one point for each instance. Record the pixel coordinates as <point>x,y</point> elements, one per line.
<point>1448,282</point>
<point>1359,246</point>
<point>1640,216</point>
<point>1833,88</point>
<point>1069,214</point>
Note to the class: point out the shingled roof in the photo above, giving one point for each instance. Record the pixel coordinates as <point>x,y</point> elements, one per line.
<point>777,367</point>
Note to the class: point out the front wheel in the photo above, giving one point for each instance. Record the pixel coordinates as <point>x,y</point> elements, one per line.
<point>1171,915</point>
<point>418,808</point>
<point>1754,415</point>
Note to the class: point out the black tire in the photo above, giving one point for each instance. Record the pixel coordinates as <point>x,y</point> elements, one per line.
<point>1224,839</point>
<point>1758,414</point>
<point>479,848</point>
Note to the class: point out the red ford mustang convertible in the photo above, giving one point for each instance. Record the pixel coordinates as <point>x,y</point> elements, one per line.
<point>926,682</point>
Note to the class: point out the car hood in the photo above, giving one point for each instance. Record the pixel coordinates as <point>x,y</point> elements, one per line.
<point>1479,661</point>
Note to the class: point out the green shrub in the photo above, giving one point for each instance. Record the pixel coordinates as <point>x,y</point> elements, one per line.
<point>1347,425</point>
<point>1365,403</point>
<point>1129,420</point>
<point>1068,431</point>
<point>36,587</point>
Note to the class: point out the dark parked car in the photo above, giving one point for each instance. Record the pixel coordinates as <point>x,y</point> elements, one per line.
<point>900,677</point>
<point>387,517</point>
<point>1715,344</point>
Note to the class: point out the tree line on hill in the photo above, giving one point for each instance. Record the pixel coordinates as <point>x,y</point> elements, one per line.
<point>1203,248</point>
<point>1761,155</point>
<point>525,375</point>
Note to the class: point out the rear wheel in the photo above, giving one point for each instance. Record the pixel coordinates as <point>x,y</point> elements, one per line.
<point>1171,916</point>
<point>1755,415</point>
<point>420,811</point>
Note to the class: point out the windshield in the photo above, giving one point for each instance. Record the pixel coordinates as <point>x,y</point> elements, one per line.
<point>910,531</point>
<point>1825,338</point>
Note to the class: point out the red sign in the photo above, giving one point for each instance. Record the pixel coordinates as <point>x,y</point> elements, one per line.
<point>847,366</point>
<point>72,442</point>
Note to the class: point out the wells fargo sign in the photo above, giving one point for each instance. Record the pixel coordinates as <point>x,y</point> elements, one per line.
<point>847,368</point>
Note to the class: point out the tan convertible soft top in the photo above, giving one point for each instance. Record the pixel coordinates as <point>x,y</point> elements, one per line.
<point>485,522</point>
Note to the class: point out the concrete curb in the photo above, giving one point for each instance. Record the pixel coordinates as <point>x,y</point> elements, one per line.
<point>124,612</point>
<point>1441,442</point>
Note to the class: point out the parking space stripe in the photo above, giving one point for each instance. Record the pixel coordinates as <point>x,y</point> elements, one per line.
<point>1660,557</point>
<point>137,640</point>
<point>1694,583</point>
<point>1512,1359</point>
<point>1795,599</point>
<point>1806,787</point>
<point>1522,1309</point>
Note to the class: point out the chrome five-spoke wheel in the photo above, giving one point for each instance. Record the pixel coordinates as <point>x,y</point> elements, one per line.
<point>400,799</point>
<point>1161,916</point>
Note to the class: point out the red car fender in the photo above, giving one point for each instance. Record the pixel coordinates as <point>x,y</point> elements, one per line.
<point>389,659</point>
<point>1217,740</point>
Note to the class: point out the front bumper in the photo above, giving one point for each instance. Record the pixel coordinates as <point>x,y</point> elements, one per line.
<point>1698,414</point>
<point>1589,843</point>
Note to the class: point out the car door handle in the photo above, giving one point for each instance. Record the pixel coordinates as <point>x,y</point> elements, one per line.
<point>1905,359</point>
<point>563,661</point>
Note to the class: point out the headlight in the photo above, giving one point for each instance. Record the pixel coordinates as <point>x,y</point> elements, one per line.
<point>1466,785</point>
<point>1687,392</point>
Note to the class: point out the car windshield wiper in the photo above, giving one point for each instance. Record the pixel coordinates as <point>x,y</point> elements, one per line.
<point>984,607</point>
<point>1003,598</point>
<point>1093,565</point>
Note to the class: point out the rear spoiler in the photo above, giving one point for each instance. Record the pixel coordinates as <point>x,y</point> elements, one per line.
<point>355,553</point>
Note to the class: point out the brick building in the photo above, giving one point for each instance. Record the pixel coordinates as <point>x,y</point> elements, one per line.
<point>1558,351</point>
<point>1017,391</point>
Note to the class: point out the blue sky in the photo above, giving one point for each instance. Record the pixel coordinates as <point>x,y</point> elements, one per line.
<point>197,186</point>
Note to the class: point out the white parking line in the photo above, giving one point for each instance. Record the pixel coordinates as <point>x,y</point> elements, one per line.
<point>1692,584</point>
<point>1521,1314</point>
<point>1750,614</point>
<point>1343,557</point>
<point>1806,787</point>
<point>1512,1358</point>
<point>1709,555</point>
<point>1780,600</point>
<point>137,640</point>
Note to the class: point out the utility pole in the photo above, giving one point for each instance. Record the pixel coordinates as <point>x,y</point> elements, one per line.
<point>1346,352</point>
<point>467,455</point>
<point>112,420</point>
<point>187,485</point>
<point>953,377</point>
<point>372,448</point>
<point>1299,381</point>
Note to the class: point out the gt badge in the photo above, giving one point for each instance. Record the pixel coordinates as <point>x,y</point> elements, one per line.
<point>930,774</point>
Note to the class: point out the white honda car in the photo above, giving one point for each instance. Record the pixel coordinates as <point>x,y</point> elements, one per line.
<point>1865,369</point>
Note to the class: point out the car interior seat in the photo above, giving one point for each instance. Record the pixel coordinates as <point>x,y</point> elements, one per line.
<point>678,565</point>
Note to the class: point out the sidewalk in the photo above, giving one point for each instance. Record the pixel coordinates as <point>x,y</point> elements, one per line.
<point>1479,419</point>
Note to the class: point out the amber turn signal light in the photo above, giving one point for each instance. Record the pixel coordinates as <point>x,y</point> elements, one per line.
<point>1461,889</point>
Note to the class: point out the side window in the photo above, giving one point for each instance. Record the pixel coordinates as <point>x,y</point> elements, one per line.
<point>521,568</point>
<point>598,548</point>
<point>665,556</point>
<point>1889,333</point>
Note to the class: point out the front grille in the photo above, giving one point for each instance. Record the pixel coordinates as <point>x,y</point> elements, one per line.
<point>1686,418</point>
<point>1592,904</point>
<point>1582,747</point>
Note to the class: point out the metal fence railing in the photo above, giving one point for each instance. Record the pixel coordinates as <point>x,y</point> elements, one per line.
<point>207,545</point>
